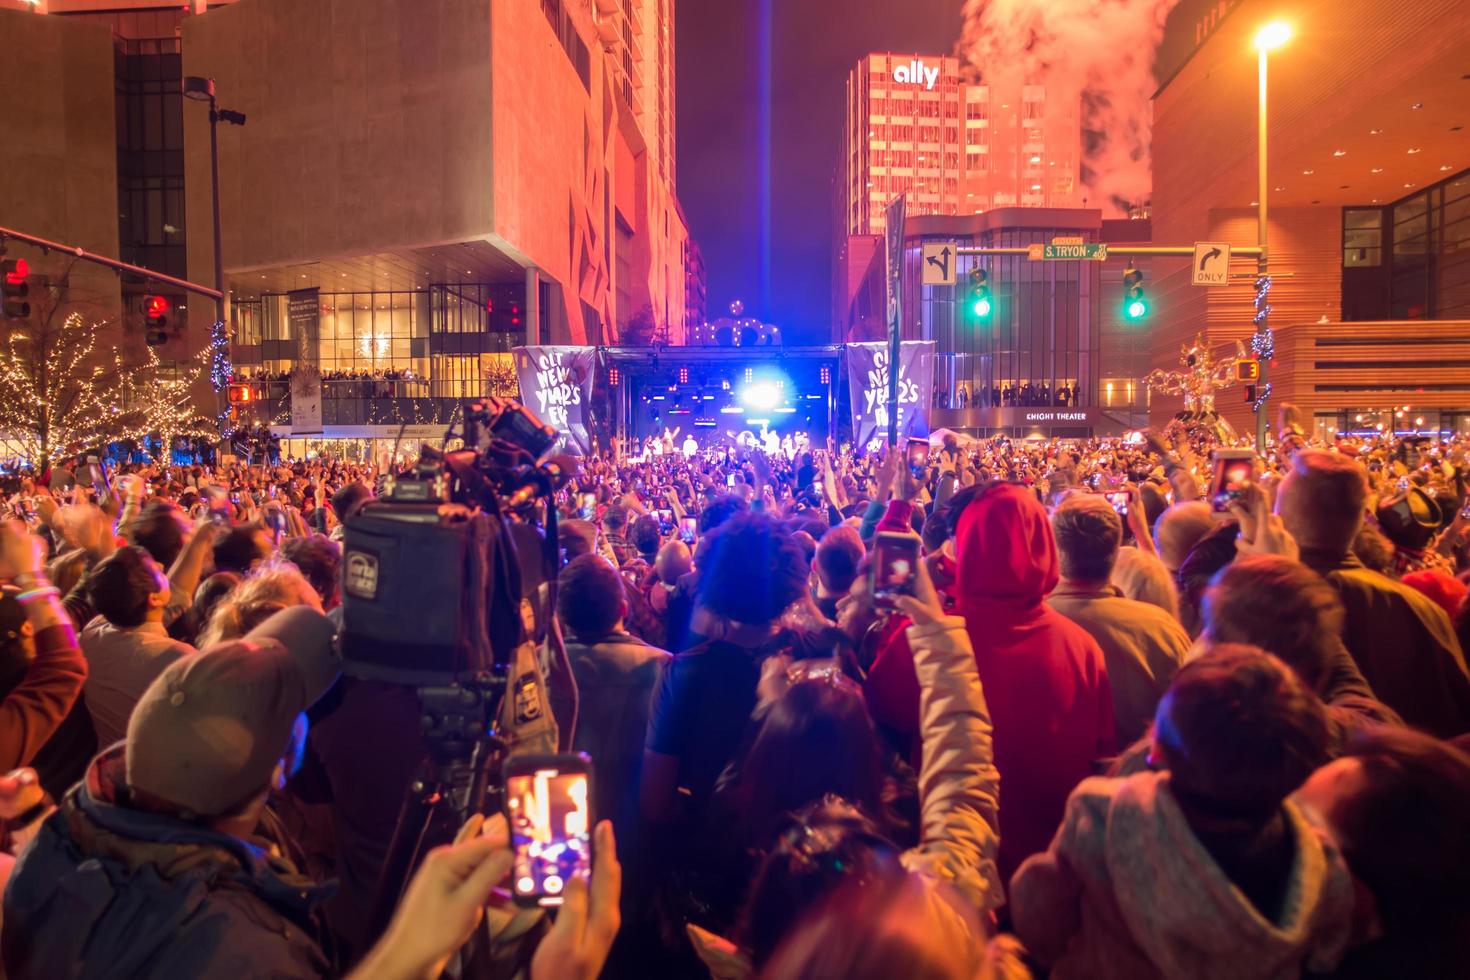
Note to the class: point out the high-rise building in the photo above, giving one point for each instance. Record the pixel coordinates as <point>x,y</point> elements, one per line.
<point>914,124</point>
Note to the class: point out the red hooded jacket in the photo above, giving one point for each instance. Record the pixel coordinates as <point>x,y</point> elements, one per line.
<point>1044,676</point>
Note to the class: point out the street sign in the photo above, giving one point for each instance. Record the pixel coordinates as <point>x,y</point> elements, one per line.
<point>1211,264</point>
<point>939,264</point>
<point>1059,251</point>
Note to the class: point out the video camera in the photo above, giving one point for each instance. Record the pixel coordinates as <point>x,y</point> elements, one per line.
<point>431,585</point>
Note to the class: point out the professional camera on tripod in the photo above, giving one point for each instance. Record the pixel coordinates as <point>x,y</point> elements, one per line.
<point>432,598</point>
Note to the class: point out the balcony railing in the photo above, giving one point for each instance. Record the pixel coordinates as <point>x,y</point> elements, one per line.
<point>356,402</point>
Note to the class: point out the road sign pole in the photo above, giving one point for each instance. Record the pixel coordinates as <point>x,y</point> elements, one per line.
<point>893,237</point>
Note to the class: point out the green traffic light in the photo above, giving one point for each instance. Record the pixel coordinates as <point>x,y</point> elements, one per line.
<point>1136,309</point>
<point>982,306</point>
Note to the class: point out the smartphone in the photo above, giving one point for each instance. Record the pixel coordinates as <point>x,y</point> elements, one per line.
<point>548,803</point>
<point>587,506</point>
<point>730,480</point>
<point>688,529</point>
<point>1235,469</point>
<point>895,562</point>
<point>918,458</point>
<point>1119,500</point>
<point>665,520</point>
<point>817,488</point>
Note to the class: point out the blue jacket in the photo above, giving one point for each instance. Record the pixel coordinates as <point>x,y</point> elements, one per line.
<point>107,890</point>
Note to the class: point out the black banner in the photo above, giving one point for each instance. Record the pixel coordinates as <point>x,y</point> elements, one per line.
<point>868,378</point>
<point>304,317</point>
<point>556,384</point>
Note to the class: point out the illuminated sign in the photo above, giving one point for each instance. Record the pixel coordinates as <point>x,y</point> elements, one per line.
<point>916,73</point>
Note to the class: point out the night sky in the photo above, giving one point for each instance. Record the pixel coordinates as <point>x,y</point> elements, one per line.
<point>813,45</point>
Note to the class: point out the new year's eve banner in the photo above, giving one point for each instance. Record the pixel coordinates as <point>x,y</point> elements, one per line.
<point>556,384</point>
<point>867,376</point>
<point>304,314</point>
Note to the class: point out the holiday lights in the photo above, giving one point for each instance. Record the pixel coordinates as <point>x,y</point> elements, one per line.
<point>1263,342</point>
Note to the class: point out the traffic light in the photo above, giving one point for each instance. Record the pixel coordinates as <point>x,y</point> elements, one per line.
<point>979,305</point>
<point>240,394</point>
<point>1135,304</point>
<point>155,309</point>
<point>1248,371</point>
<point>14,289</point>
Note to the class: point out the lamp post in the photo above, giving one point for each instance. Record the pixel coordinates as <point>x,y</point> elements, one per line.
<point>1268,39</point>
<point>202,90</point>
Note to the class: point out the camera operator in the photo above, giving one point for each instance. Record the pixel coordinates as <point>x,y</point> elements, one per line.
<point>163,861</point>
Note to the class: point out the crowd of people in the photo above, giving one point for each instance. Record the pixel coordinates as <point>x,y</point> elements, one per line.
<point>1107,722</point>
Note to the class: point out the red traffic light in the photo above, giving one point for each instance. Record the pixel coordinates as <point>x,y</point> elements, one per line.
<point>17,275</point>
<point>157,306</point>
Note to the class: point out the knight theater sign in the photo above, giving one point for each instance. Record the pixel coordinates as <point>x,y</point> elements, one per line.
<point>916,73</point>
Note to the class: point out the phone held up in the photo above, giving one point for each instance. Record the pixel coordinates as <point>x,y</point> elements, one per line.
<point>917,455</point>
<point>688,529</point>
<point>895,563</point>
<point>1234,470</point>
<point>548,802</point>
<point>1119,499</point>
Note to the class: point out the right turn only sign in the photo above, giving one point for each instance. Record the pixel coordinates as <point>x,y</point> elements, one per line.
<point>1211,266</point>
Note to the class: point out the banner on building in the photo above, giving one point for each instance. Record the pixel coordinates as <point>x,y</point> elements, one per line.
<point>304,317</point>
<point>868,376</point>
<point>556,384</point>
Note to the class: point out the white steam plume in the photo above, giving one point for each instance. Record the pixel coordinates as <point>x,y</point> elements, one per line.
<point>1099,52</point>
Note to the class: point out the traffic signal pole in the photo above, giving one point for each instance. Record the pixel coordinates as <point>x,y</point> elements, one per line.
<point>77,252</point>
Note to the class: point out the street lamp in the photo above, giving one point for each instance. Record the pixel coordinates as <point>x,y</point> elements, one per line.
<point>202,90</point>
<point>1269,38</point>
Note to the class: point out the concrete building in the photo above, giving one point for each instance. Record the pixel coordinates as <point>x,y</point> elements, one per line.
<point>452,177</point>
<point>1369,205</point>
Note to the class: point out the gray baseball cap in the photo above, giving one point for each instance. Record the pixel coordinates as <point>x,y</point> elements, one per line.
<point>209,731</point>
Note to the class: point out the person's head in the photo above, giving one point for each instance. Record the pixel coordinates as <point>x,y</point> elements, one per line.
<point>215,732</point>
<point>577,537</point>
<point>1397,804</point>
<point>261,594</point>
<point>838,555</point>
<point>615,519</point>
<point>646,536</point>
<point>1322,498</point>
<point>17,641</point>
<point>590,599</point>
<point>349,499</point>
<point>730,586</point>
<point>1142,577</point>
<point>1276,727</point>
<point>1179,529</point>
<point>241,548</point>
<point>127,588</point>
<point>719,510</point>
<point>674,561</point>
<point>1004,548</point>
<point>885,927</point>
<point>817,739</point>
<point>209,593</point>
<point>319,558</point>
<point>1210,554</point>
<point>161,529</point>
<point>1279,605</point>
<point>1088,533</point>
<point>1446,591</point>
<point>826,845</point>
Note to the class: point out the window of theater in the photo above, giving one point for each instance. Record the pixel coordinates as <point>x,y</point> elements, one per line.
<point>371,334</point>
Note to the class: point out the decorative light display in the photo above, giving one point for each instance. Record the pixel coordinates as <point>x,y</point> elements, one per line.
<point>1263,342</point>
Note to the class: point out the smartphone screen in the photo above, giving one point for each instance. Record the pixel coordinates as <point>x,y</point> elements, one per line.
<point>730,480</point>
<point>1234,471</point>
<point>1119,499</point>
<point>587,506</point>
<point>688,529</point>
<point>549,808</point>
<point>895,562</point>
<point>665,520</point>
<point>918,458</point>
<point>817,488</point>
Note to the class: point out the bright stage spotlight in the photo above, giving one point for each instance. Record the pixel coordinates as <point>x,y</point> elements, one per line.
<point>762,396</point>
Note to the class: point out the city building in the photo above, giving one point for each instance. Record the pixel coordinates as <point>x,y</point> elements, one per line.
<point>1369,206</point>
<point>448,191</point>
<point>914,125</point>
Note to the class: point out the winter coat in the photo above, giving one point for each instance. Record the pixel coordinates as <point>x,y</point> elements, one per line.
<point>1128,891</point>
<point>108,890</point>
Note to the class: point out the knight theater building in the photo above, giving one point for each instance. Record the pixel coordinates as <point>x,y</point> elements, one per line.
<point>1369,204</point>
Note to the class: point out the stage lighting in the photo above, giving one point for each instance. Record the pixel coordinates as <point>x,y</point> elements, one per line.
<point>761,396</point>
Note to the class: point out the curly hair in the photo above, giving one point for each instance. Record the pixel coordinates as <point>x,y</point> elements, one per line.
<point>752,570</point>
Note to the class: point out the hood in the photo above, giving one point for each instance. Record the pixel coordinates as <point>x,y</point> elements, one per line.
<point>1187,915</point>
<point>1005,549</point>
<point>106,886</point>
